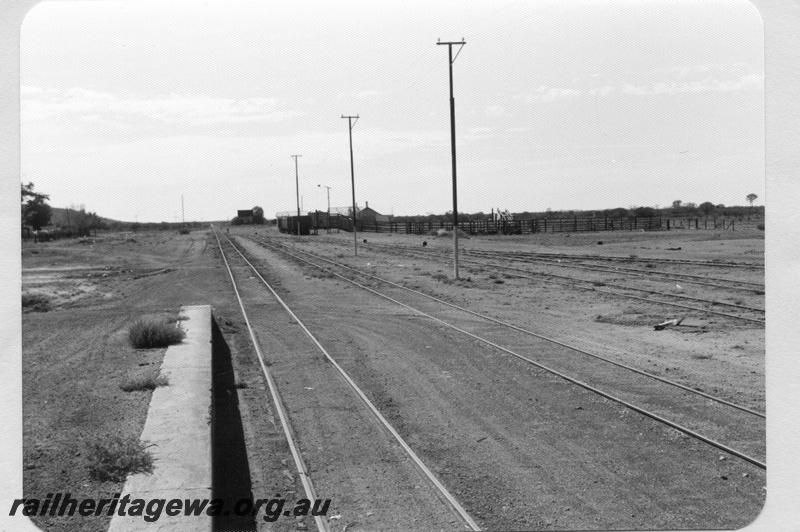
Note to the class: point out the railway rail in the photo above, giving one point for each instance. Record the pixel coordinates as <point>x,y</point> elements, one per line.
<point>688,262</point>
<point>580,263</point>
<point>734,412</point>
<point>748,313</point>
<point>521,329</point>
<point>300,466</point>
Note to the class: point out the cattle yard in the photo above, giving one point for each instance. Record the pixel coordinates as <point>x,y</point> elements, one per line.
<point>535,392</point>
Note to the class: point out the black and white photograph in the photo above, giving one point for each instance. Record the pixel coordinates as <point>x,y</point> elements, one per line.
<point>393,265</point>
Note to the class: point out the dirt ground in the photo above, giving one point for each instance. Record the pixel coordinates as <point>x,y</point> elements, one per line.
<point>520,449</point>
<point>77,354</point>
<point>726,359</point>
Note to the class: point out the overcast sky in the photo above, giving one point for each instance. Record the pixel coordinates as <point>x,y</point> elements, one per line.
<point>126,105</point>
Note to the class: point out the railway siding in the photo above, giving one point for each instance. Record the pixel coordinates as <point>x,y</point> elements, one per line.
<point>349,456</point>
<point>544,438</point>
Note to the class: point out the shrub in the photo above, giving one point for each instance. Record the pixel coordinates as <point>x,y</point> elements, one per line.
<point>35,302</point>
<point>140,383</point>
<point>150,333</point>
<point>116,457</point>
<point>760,227</point>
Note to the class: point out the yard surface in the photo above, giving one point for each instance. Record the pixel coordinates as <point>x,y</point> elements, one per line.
<point>519,448</point>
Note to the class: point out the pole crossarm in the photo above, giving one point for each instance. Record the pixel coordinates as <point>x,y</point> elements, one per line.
<point>353,124</point>
<point>462,42</point>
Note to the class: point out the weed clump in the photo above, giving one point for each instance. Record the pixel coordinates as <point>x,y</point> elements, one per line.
<point>35,303</point>
<point>140,383</point>
<point>149,333</point>
<point>116,457</point>
<point>440,277</point>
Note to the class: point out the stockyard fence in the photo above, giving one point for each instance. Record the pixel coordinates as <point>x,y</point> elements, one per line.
<point>321,221</point>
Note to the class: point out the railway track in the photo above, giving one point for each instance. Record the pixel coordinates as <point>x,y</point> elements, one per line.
<point>584,262</point>
<point>580,263</point>
<point>633,387</point>
<point>616,259</point>
<point>285,421</point>
<point>750,314</point>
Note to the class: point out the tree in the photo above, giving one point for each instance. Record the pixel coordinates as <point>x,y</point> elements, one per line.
<point>81,222</point>
<point>706,207</point>
<point>258,215</point>
<point>676,204</point>
<point>619,212</point>
<point>645,212</point>
<point>35,211</point>
<point>751,198</point>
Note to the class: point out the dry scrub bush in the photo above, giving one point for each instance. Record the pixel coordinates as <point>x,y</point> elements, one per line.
<point>150,333</point>
<point>35,303</point>
<point>116,457</point>
<point>140,383</point>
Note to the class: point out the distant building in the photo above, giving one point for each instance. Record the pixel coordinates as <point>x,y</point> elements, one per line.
<point>369,216</point>
<point>245,216</point>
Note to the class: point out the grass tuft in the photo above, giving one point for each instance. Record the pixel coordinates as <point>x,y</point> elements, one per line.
<point>35,303</point>
<point>140,383</point>
<point>149,333</point>
<point>116,457</point>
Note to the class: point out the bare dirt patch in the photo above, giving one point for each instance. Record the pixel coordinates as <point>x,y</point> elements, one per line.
<point>77,355</point>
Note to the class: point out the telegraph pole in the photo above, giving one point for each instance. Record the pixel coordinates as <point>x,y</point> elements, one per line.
<point>329,206</point>
<point>451,60</point>
<point>297,190</point>
<point>350,125</point>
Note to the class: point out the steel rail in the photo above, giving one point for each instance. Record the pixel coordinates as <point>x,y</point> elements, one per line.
<point>540,336</point>
<point>637,259</point>
<point>299,463</point>
<point>649,259</point>
<point>455,505</point>
<point>677,277</point>
<point>613,258</point>
<point>530,275</point>
<point>614,285</point>
<point>607,395</point>
<point>646,290</point>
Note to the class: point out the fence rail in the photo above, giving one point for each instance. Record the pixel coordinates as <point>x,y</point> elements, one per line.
<point>322,221</point>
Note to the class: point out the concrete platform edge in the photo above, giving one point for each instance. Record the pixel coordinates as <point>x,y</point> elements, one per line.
<point>178,430</point>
